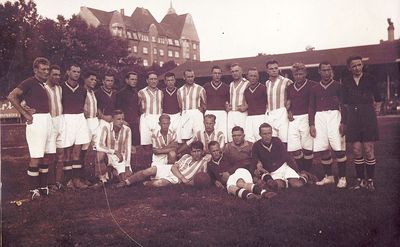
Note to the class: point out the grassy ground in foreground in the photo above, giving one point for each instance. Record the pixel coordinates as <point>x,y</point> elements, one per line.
<point>181,216</point>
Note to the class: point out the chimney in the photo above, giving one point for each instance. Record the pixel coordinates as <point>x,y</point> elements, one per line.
<point>122,11</point>
<point>390,30</point>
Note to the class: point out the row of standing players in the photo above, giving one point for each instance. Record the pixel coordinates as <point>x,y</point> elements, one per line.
<point>307,116</point>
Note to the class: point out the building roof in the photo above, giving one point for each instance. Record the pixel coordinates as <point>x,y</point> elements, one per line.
<point>142,19</point>
<point>384,53</point>
<point>103,16</point>
<point>174,22</point>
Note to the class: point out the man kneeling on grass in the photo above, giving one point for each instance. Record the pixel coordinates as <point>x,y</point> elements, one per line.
<point>237,180</point>
<point>272,160</point>
<point>182,171</point>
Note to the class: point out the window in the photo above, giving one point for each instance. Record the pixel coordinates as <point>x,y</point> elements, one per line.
<point>144,37</point>
<point>117,31</point>
<point>161,52</point>
<point>129,34</point>
<point>169,53</point>
<point>161,63</point>
<point>194,57</point>
<point>154,51</point>
<point>145,62</point>
<point>135,36</point>
<point>194,46</point>
<point>187,55</point>
<point>135,48</point>
<point>176,54</point>
<point>145,50</point>
<point>176,42</point>
<point>170,42</point>
<point>153,39</point>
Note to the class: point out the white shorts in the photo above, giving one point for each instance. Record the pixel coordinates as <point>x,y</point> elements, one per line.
<point>240,173</point>
<point>75,130</point>
<point>164,172</point>
<point>327,127</point>
<point>191,122</point>
<point>119,166</point>
<point>221,121</point>
<point>38,135</point>
<point>159,159</point>
<point>284,173</point>
<point>148,124</point>
<point>93,125</point>
<point>251,129</point>
<point>279,121</point>
<point>299,134</point>
<point>56,137</point>
<point>235,118</point>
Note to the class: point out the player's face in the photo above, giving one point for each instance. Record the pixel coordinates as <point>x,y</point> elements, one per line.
<point>132,80</point>
<point>209,125</point>
<point>189,77</point>
<point>326,72</point>
<point>238,137</point>
<point>356,67</point>
<point>108,82</point>
<point>215,152</point>
<point>55,76</point>
<point>73,73</point>
<point>236,72</point>
<point>196,154</point>
<point>252,76</point>
<point>170,82</point>
<point>164,124</point>
<point>273,70</point>
<point>118,120</point>
<point>152,81</point>
<point>266,135</point>
<point>91,81</point>
<point>299,76</point>
<point>42,72</point>
<point>216,75</point>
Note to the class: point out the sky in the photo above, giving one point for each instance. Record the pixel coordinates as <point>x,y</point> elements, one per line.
<point>240,28</point>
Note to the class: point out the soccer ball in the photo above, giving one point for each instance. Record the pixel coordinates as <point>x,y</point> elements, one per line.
<point>202,180</point>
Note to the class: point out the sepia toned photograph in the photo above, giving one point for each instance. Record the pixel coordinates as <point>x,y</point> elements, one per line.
<point>199,123</point>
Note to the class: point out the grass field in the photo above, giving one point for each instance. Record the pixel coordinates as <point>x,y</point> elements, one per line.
<point>182,216</point>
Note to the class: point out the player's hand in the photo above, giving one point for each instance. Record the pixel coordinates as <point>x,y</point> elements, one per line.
<point>225,175</point>
<point>313,131</point>
<point>133,150</point>
<point>28,118</point>
<point>184,180</point>
<point>290,116</point>
<point>342,129</point>
<point>119,155</point>
<point>228,107</point>
<point>31,111</point>
<point>219,185</point>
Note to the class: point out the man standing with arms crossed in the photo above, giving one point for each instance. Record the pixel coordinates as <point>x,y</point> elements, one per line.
<point>363,101</point>
<point>237,108</point>
<point>106,97</point>
<point>39,126</point>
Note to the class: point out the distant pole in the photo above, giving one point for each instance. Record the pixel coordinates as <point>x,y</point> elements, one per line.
<point>388,86</point>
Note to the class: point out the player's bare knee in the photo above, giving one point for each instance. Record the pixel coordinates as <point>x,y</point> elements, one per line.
<point>240,183</point>
<point>295,182</point>
<point>232,189</point>
<point>171,157</point>
<point>357,149</point>
<point>369,150</point>
<point>150,171</point>
<point>281,184</point>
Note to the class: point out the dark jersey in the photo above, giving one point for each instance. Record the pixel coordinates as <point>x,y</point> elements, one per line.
<point>170,101</point>
<point>240,157</point>
<point>106,100</point>
<point>127,100</point>
<point>256,99</point>
<point>216,96</point>
<point>35,95</point>
<point>366,92</point>
<point>271,157</point>
<point>299,97</point>
<point>215,168</point>
<point>73,99</point>
<point>324,98</point>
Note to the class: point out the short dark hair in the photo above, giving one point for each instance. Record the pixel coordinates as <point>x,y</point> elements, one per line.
<point>272,61</point>
<point>109,73</point>
<point>212,143</point>
<point>264,125</point>
<point>116,112</point>
<point>197,145</point>
<point>210,116</point>
<point>234,64</point>
<point>151,73</point>
<point>75,64</point>
<point>89,73</point>
<point>215,67</point>
<point>352,58</point>
<point>252,69</point>
<point>169,74</point>
<point>54,67</point>
<point>164,116</point>
<point>40,60</point>
<point>324,63</point>
<point>187,70</point>
<point>237,128</point>
<point>127,75</point>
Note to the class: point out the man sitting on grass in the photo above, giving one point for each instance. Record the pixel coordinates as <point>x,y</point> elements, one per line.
<point>164,142</point>
<point>182,171</point>
<point>237,180</point>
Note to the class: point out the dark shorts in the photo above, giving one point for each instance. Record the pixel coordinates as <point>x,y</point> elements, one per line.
<point>135,133</point>
<point>362,124</point>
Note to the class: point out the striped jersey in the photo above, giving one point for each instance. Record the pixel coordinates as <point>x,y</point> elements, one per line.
<point>188,167</point>
<point>206,138</point>
<point>109,142</point>
<point>236,92</point>
<point>158,140</point>
<point>276,92</point>
<point>90,108</point>
<point>189,97</point>
<point>54,93</point>
<point>151,100</point>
